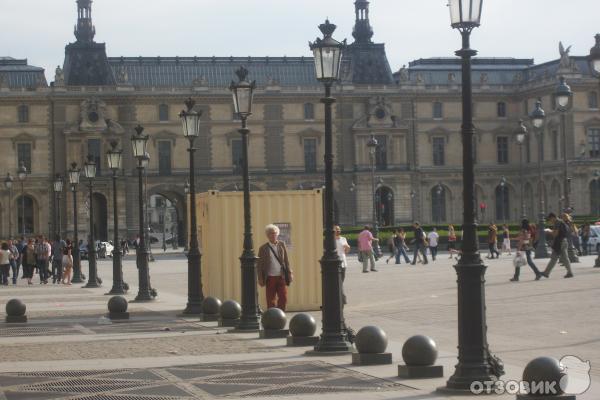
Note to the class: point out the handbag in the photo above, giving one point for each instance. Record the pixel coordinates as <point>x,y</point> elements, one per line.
<point>286,272</point>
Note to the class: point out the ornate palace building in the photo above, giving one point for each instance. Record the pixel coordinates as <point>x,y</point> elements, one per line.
<point>414,114</point>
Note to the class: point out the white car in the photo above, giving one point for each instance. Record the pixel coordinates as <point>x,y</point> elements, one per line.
<point>594,241</point>
<point>104,249</point>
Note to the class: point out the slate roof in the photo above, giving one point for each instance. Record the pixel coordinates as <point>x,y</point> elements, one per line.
<point>16,73</point>
<point>217,71</point>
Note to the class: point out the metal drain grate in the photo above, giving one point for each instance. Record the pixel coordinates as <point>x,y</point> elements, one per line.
<point>129,397</point>
<point>82,386</point>
<point>65,374</point>
<point>38,331</point>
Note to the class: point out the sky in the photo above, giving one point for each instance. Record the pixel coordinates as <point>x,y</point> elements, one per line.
<point>411,29</point>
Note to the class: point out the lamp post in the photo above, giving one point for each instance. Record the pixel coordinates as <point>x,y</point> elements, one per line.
<point>503,198</point>
<point>8,183</point>
<point>89,171</point>
<point>58,188</point>
<point>115,159</point>
<point>243,92</point>
<point>334,338</point>
<point>562,97</point>
<point>190,120</point>
<point>372,146</point>
<point>475,362</point>
<point>22,175</point>
<point>74,174</point>
<point>538,116</point>
<point>413,199</point>
<point>439,189</point>
<point>139,142</point>
<point>594,59</point>
<point>521,135</point>
<point>164,224</point>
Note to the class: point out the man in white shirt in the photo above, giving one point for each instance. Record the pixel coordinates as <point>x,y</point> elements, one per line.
<point>342,247</point>
<point>433,239</point>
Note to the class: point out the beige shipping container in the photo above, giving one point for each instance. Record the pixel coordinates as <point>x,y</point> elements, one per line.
<point>298,214</point>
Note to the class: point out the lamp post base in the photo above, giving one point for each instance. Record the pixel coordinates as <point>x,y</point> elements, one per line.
<point>193,308</point>
<point>92,284</point>
<point>143,297</point>
<point>116,290</point>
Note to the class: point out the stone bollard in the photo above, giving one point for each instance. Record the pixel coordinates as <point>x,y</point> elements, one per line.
<point>544,378</point>
<point>117,308</point>
<point>420,353</point>
<point>302,329</point>
<point>211,307</point>
<point>371,342</point>
<point>15,312</point>
<point>231,312</point>
<point>273,321</point>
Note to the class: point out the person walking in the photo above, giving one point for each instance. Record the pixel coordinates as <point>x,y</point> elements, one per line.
<point>14,260</point>
<point>525,245</point>
<point>58,247</point>
<point>20,245</point>
<point>560,246</point>
<point>585,237</point>
<point>365,248</point>
<point>506,239</point>
<point>342,247</point>
<point>419,243</point>
<point>493,241</point>
<point>400,246</point>
<point>43,250</point>
<point>67,263</point>
<point>452,241</point>
<point>5,256</point>
<point>29,262</point>
<point>433,238</point>
<point>273,268</point>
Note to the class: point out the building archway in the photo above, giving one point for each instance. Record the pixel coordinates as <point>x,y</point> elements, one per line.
<point>100,217</point>
<point>438,204</point>
<point>595,197</point>
<point>502,203</point>
<point>167,209</point>
<point>385,206</point>
<point>26,223</point>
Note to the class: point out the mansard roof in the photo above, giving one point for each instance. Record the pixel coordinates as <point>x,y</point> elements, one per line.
<point>17,73</point>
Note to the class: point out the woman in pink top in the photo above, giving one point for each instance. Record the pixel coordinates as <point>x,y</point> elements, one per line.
<point>365,249</point>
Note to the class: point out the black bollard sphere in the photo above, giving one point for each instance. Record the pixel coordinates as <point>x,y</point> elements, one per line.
<point>303,325</point>
<point>419,350</point>
<point>231,309</point>
<point>211,305</point>
<point>117,304</point>
<point>273,319</point>
<point>15,308</point>
<point>371,340</point>
<point>545,369</point>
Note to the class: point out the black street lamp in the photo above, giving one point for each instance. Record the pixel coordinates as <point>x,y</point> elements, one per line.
<point>8,183</point>
<point>139,142</point>
<point>475,362</point>
<point>562,97</point>
<point>74,174</point>
<point>521,136</point>
<point>372,146</point>
<point>503,190</point>
<point>190,120</point>
<point>22,175</point>
<point>538,116</point>
<point>89,171</point>
<point>115,159</point>
<point>58,188</point>
<point>597,176</point>
<point>413,199</point>
<point>334,337</point>
<point>243,92</point>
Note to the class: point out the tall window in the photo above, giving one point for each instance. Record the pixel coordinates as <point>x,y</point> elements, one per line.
<point>555,145</point>
<point>595,197</point>
<point>502,149</point>
<point>23,113</point>
<point>164,157</point>
<point>593,100</point>
<point>438,151</point>
<point>594,142</point>
<point>24,155</point>
<point>438,110</point>
<point>438,204</point>
<point>236,155</point>
<point>381,153</point>
<point>501,109</point>
<point>163,112</point>
<point>310,155</point>
<point>309,111</point>
<point>95,150</point>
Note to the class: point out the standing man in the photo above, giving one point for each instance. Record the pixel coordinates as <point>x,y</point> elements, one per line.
<point>433,238</point>
<point>58,248</point>
<point>42,252</point>
<point>560,246</point>
<point>365,248</point>
<point>419,243</point>
<point>15,258</point>
<point>273,267</point>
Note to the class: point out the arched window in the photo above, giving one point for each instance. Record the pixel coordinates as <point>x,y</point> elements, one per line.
<point>502,203</point>
<point>309,111</point>
<point>23,113</point>
<point>501,109</point>
<point>25,215</point>
<point>595,197</point>
<point>163,112</point>
<point>438,204</point>
<point>385,206</point>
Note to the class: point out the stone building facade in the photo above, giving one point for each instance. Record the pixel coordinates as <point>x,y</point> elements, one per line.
<point>414,114</point>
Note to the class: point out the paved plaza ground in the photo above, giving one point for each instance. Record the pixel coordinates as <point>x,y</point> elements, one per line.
<point>69,351</point>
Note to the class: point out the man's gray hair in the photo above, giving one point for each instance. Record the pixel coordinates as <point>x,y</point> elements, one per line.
<point>271,228</point>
